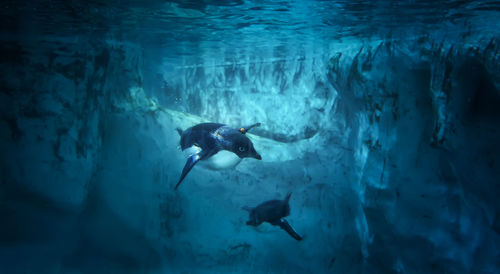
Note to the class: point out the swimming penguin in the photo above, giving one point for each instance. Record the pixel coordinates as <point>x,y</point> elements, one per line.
<point>207,139</point>
<point>273,212</point>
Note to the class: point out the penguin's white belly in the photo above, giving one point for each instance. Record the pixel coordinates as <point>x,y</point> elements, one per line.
<point>221,160</point>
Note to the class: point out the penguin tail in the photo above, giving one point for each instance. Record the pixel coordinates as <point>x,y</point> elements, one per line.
<point>179,131</point>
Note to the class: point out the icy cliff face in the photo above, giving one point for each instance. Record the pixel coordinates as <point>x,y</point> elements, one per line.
<point>396,125</point>
<point>389,147</point>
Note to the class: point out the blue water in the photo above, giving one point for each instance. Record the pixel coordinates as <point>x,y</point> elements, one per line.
<point>379,117</point>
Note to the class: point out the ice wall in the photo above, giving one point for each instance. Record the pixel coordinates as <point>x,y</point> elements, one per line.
<point>388,176</point>
<point>388,146</point>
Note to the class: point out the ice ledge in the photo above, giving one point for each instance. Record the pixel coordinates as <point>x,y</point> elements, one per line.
<point>272,150</point>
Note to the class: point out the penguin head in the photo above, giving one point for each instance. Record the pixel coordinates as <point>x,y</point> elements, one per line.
<point>243,147</point>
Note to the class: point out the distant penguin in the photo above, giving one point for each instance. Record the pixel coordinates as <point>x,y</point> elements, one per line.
<point>207,139</point>
<point>273,212</point>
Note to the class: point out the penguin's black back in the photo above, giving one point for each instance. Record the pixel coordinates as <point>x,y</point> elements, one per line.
<point>199,135</point>
<point>272,211</point>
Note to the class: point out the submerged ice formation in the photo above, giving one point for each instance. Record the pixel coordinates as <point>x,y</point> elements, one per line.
<point>389,147</point>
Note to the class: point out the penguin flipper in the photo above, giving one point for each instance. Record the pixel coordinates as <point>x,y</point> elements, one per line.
<point>286,227</point>
<point>191,161</point>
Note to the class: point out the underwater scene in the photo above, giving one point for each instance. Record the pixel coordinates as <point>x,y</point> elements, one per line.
<point>249,136</point>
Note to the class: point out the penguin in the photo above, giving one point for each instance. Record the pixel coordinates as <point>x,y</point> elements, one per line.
<point>207,139</point>
<point>273,212</point>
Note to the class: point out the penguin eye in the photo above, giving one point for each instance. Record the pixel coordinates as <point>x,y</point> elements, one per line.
<point>242,149</point>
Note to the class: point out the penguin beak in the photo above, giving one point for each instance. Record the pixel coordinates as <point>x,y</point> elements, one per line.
<point>257,156</point>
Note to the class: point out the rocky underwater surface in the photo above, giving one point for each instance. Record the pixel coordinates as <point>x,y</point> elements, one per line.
<point>389,144</point>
